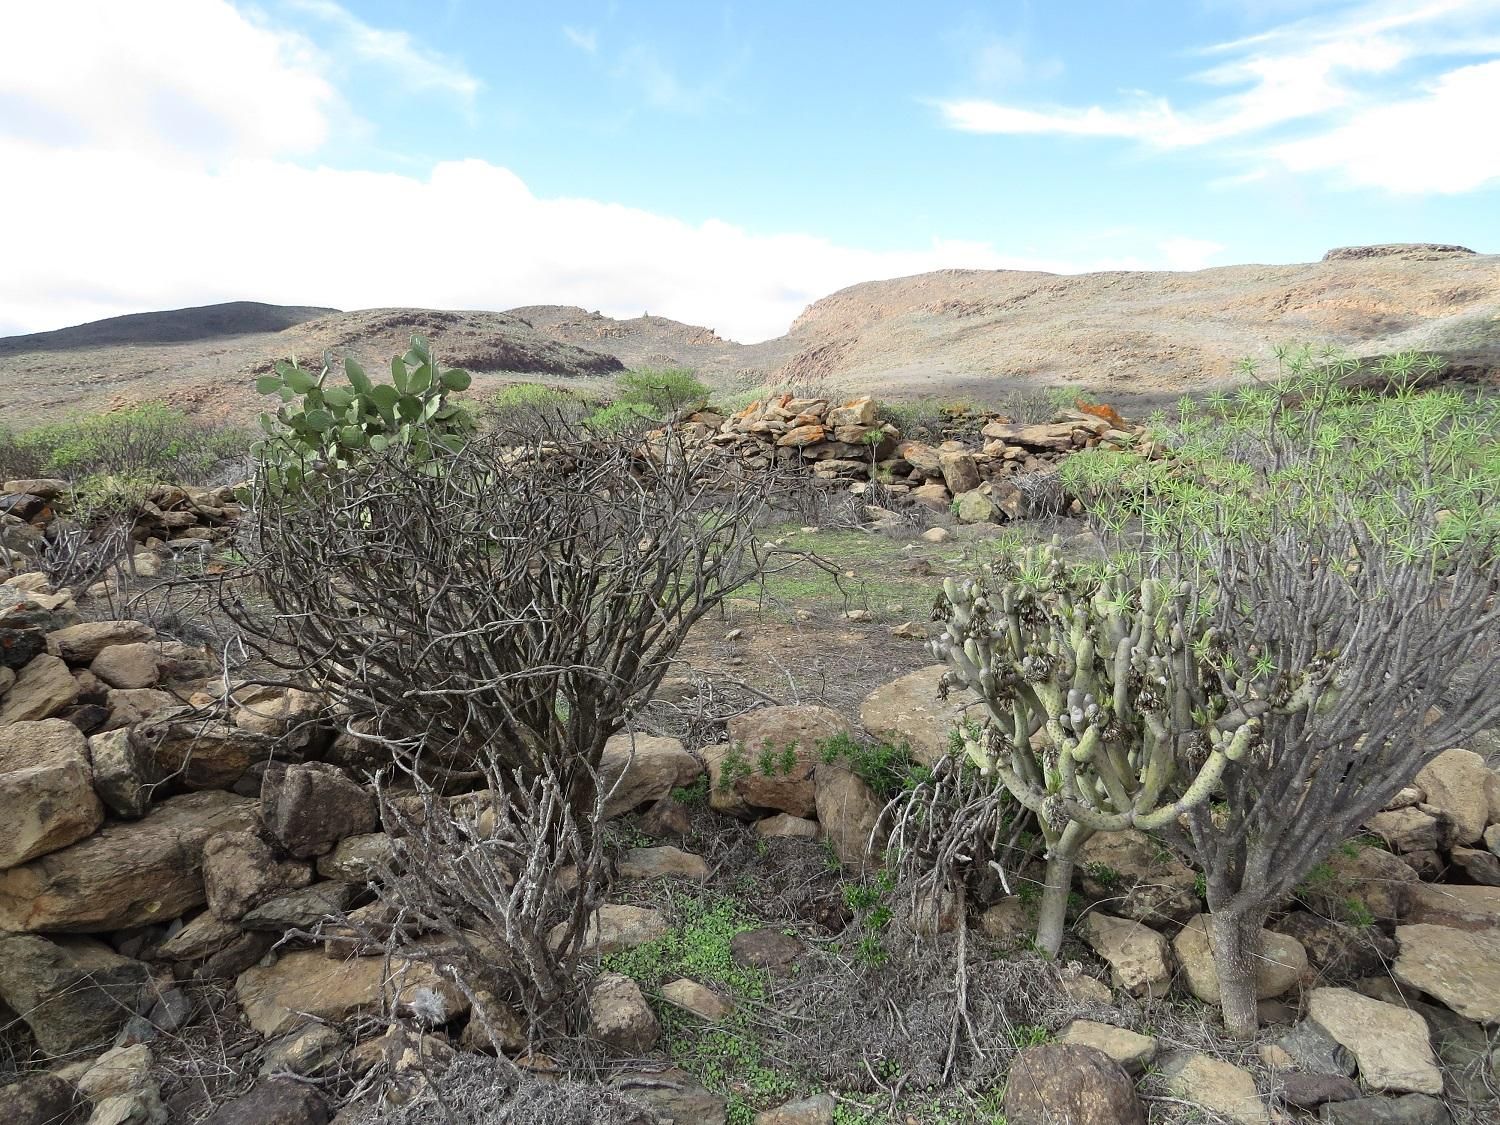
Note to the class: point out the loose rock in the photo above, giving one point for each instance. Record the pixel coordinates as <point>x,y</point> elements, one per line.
<point>1390,1044</point>
<point>1065,1082</point>
<point>1131,1050</point>
<point>1216,1085</point>
<point>47,798</point>
<point>1137,955</point>
<point>1282,962</point>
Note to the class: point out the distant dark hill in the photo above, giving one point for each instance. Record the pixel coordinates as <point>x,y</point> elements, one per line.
<point>175,326</point>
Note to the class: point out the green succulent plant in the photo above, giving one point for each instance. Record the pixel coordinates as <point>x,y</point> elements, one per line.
<point>321,427</point>
<point>1099,687</point>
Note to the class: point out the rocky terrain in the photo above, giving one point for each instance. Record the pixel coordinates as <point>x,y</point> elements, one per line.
<point>1131,337</point>
<point>185,855</point>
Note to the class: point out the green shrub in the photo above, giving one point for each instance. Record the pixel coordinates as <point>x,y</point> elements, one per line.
<point>661,390</point>
<point>620,417</point>
<point>151,440</point>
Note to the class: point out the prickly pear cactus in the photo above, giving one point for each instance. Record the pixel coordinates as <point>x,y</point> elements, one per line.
<point>320,427</point>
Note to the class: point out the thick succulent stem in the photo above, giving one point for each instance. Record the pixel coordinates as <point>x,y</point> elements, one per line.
<point>1052,918</point>
<point>1235,938</point>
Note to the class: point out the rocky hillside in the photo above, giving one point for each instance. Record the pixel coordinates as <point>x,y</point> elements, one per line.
<point>1132,337</point>
<point>1131,333</point>
<point>205,359</point>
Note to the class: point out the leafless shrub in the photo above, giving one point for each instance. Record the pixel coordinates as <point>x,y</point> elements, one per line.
<point>475,1090</point>
<point>508,877</point>
<point>77,556</point>
<point>514,601</point>
<point>1043,491</point>
<point>1360,665</point>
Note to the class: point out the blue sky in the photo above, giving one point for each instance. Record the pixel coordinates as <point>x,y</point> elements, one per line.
<point>720,163</point>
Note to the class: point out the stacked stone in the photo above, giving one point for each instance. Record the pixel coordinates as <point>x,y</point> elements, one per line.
<point>846,443</point>
<point>168,520</point>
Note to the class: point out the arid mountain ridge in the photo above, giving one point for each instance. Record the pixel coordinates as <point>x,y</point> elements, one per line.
<point>1129,336</point>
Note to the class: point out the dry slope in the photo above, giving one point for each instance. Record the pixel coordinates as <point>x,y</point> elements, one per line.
<point>1133,333</point>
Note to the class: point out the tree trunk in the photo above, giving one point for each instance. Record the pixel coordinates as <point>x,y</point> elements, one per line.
<point>1053,917</point>
<point>1235,940</point>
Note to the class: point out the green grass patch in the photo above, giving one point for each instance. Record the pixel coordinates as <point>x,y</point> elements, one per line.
<point>729,1057</point>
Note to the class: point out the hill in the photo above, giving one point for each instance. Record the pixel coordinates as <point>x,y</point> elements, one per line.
<point>1127,334</point>
<point>205,359</point>
<point>1134,337</point>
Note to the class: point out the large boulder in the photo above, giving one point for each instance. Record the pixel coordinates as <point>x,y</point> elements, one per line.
<point>848,810</point>
<point>43,689</point>
<point>909,712</point>
<point>1390,1044</point>
<point>638,768</point>
<point>1058,1082</point>
<point>1456,783</point>
<point>1135,877</point>
<point>305,985</point>
<point>47,798</point>
<point>127,874</point>
<point>74,993</point>
<point>80,644</point>
<point>778,748</point>
<point>241,871</point>
<point>309,808</point>
<point>201,753</point>
<point>1280,964</point>
<point>1458,968</point>
<point>1137,955</point>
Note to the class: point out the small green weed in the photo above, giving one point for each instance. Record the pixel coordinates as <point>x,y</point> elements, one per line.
<point>888,770</point>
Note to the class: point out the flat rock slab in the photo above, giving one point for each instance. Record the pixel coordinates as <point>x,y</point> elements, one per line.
<point>1459,968</point>
<point>1461,907</point>
<point>127,874</point>
<point>1128,1048</point>
<point>909,711</point>
<point>306,985</point>
<point>1391,1045</point>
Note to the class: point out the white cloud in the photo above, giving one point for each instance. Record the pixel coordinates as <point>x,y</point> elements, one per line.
<point>168,236</point>
<point>1442,141</point>
<point>407,61</point>
<point>126,211</point>
<point>585,39</point>
<point>172,78</point>
<point>1338,77</point>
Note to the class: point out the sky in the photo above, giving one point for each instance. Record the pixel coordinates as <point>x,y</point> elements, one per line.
<point>724,164</point>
